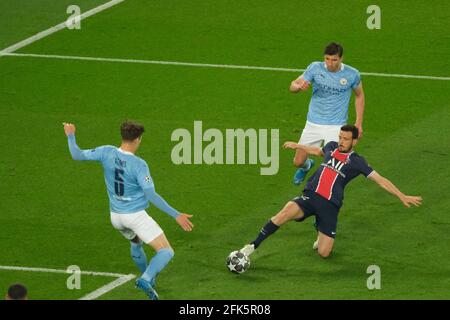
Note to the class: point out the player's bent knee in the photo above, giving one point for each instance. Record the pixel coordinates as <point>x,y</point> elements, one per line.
<point>168,251</point>
<point>324,252</point>
<point>160,242</point>
<point>168,248</point>
<point>298,162</point>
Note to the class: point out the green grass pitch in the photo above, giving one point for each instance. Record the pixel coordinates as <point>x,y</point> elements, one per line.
<point>54,211</point>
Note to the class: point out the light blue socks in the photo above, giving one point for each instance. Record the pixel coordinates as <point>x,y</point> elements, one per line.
<point>158,262</point>
<point>138,256</point>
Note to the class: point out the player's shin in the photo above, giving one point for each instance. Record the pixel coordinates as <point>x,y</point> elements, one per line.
<point>265,232</point>
<point>158,263</point>
<point>138,256</point>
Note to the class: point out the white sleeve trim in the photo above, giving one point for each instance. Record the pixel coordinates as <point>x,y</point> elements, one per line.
<point>373,171</point>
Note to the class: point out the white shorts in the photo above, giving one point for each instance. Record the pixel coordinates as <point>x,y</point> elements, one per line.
<point>138,224</point>
<point>314,134</point>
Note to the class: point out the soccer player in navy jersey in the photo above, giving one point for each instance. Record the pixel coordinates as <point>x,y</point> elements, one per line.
<point>324,191</point>
<point>333,83</point>
<point>130,188</point>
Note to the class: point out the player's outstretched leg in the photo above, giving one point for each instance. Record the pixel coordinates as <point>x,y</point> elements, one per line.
<point>290,212</point>
<point>164,253</point>
<point>138,254</point>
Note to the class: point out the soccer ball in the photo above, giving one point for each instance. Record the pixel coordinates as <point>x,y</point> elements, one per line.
<point>237,262</point>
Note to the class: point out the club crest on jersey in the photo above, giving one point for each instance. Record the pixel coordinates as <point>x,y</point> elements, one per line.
<point>148,179</point>
<point>343,81</point>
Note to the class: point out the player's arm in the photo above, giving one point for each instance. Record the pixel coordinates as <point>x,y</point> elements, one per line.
<point>314,151</point>
<point>152,196</point>
<point>302,83</point>
<point>181,218</point>
<point>359,107</point>
<point>75,151</point>
<point>299,84</point>
<point>146,183</point>
<point>391,188</point>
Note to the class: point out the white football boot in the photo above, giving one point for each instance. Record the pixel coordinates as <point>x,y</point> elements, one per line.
<point>248,249</point>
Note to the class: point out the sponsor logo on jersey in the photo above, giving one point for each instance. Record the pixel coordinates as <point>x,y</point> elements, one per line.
<point>335,165</point>
<point>330,90</point>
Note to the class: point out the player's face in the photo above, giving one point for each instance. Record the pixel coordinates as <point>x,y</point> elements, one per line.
<point>346,141</point>
<point>333,62</point>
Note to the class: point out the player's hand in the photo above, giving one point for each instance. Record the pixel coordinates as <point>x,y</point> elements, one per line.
<point>290,145</point>
<point>299,85</point>
<point>409,200</point>
<point>303,84</point>
<point>183,221</point>
<point>69,128</point>
<point>360,130</point>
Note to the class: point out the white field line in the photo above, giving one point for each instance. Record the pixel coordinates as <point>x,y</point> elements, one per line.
<point>57,28</point>
<point>121,278</point>
<point>107,288</point>
<point>209,65</point>
<point>188,64</point>
<point>88,273</point>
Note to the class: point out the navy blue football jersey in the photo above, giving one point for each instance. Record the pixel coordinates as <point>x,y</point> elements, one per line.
<point>336,170</point>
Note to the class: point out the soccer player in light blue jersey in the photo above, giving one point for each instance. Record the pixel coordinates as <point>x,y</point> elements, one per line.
<point>130,187</point>
<point>332,85</point>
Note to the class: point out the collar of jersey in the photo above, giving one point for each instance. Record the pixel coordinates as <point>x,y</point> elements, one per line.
<point>125,152</point>
<point>325,66</point>
<point>349,153</point>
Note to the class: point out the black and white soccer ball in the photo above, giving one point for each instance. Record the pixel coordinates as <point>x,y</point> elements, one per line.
<point>237,262</point>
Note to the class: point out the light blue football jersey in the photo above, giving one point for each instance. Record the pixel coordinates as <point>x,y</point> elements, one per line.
<point>126,178</point>
<point>331,93</point>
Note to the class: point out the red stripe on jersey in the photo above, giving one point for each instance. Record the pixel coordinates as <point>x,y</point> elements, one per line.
<point>326,182</point>
<point>328,176</point>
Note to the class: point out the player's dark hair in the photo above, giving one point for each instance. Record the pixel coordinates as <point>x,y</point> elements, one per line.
<point>351,128</point>
<point>17,292</point>
<point>130,130</point>
<point>334,48</point>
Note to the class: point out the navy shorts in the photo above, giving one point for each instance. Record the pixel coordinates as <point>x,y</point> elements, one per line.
<point>325,211</point>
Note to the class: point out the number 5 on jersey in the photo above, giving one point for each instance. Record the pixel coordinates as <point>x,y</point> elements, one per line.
<point>118,183</point>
